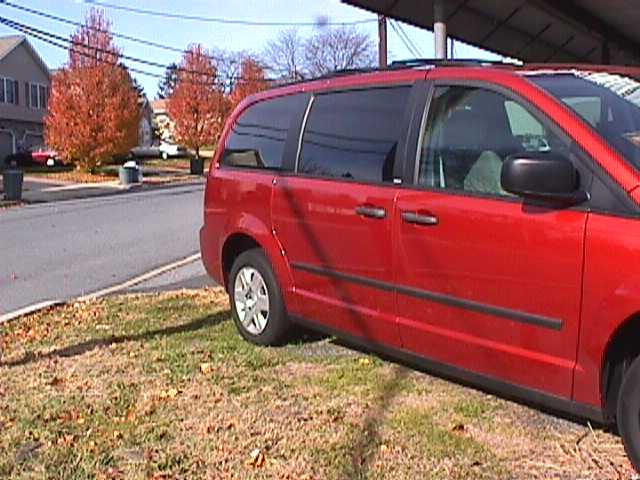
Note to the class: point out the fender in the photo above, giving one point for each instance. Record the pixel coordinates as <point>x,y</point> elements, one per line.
<point>255,228</point>
<point>613,311</point>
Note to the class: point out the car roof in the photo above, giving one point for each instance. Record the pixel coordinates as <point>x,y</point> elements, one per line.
<point>415,69</point>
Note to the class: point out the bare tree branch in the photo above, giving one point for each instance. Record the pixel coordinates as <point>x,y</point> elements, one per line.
<point>338,48</point>
<point>284,56</point>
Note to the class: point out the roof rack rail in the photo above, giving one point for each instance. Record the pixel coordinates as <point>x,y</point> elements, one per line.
<point>346,71</point>
<point>439,62</point>
<point>405,64</point>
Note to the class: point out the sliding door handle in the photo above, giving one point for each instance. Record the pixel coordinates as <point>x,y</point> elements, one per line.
<point>371,212</point>
<point>420,219</point>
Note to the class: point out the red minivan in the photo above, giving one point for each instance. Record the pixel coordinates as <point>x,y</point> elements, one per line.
<point>479,222</point>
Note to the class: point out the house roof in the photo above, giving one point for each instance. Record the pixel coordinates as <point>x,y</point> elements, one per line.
<point>159,106</point>
<point>584,31</point>
<point>10,42</point>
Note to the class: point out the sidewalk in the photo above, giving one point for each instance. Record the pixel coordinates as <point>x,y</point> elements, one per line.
<point>42,190</point>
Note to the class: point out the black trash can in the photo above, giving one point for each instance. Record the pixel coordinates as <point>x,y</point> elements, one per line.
<point>197,166</point>
<point>12,181</point>
<point>129,174</point>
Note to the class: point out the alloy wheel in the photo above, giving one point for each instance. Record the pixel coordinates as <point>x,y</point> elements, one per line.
<point>251,299</point>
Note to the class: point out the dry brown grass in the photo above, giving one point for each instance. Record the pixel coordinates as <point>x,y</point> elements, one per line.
<point>161,386</point>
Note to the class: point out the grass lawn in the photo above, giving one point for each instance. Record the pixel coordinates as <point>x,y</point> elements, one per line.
<point>68,173</point>
<point>160,386</point>
<point>155,170</point>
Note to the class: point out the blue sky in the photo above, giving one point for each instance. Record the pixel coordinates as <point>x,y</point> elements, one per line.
<point>180,33</point>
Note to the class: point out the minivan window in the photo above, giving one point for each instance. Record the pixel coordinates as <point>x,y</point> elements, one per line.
<point>354,135</point>
<point>469,133</point>
<point>609,102</point>
<point>258,137</point>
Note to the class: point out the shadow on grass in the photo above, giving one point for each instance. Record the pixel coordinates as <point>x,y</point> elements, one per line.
<point>363,448</point>
<point>95,343</point>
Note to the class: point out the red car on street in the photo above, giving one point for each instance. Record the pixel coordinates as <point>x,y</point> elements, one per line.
<point>43,156</point>
<point>481,222</point>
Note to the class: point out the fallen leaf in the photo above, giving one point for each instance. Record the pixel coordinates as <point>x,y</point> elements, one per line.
<point>66,440</point>
<point>256,459</point>
<point>206,368</point>
<point>171,393</point>
<point>458,428</point>
<point>364,361</point>
<point>56,381</point>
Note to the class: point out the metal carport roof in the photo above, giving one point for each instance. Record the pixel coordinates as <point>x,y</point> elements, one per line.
<point>584,31</point>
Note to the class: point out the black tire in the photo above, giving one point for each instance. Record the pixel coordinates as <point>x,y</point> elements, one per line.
<point>628,413</point>
<point>278,326</point>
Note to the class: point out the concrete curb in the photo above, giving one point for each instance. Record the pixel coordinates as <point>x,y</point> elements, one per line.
<point>103,191</point>
<point>110,194</point>
<point>36,307</point>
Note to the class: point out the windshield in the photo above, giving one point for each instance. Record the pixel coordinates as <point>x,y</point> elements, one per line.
<point>609,102</point>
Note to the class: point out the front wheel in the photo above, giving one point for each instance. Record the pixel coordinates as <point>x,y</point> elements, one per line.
<point>628,414</point>
<point>256,300</point>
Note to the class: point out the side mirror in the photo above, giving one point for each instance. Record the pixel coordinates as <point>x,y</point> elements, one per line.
<point>542,176</point>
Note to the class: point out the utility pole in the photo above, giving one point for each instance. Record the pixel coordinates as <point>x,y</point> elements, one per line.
<point>382,41</point>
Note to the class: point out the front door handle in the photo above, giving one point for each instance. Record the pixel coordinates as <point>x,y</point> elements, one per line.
<point>371,212</point>
<point>420,219</point>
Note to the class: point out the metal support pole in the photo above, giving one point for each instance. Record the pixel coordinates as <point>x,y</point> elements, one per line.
<point>382,41</point>
<point>440,30</point>
<point>606,53</point>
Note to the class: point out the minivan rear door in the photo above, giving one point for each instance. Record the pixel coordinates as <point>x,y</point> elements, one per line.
<point>333,216</point>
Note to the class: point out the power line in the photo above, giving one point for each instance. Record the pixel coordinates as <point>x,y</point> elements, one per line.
<point>69,45</point>
<point>227,21</point>
<point>71,49</point>
<point>130,38</point>
<point>408,38</point>
<point>38,33</point>
<point>407,44</point>
<point>402,39</point>
<point>142,61</point>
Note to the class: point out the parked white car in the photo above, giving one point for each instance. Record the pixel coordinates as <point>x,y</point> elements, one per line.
<point>170,150</point>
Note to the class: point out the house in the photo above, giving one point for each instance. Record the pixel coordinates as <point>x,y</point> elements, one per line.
<point>163,124</point>
<point>145,127</point>
<point>25,84</point>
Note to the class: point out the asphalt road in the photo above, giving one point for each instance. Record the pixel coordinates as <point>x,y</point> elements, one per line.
<point>63,250</point>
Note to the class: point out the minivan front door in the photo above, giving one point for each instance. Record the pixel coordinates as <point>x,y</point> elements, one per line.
<point>486,281</point>
<point>334,216</point>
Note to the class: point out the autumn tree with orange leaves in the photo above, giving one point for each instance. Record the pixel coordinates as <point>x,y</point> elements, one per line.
<point>198,105</point>
<point>252,80</point>
<point>93,110</point>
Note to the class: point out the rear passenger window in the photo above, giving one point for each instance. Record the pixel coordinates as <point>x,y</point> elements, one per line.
<point>354,135</point>
<point>257,139</point>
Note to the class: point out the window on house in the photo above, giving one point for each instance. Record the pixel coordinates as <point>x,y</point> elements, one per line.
<point>34,96</point>
<point>8,91</point>
<point>37,96</point>
<point>42,96</point>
